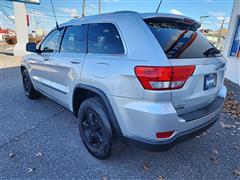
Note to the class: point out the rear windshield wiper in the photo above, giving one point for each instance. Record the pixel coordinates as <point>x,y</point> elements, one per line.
<point>211,51</point>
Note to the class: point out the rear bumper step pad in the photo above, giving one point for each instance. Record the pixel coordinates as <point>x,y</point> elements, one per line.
<point>212,107</point>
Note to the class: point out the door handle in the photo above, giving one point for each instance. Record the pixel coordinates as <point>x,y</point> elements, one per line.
<point>75,62</point>
<point>46,59</point>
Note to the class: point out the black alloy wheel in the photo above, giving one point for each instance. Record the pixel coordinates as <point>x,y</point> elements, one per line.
<point>94,128</point>
<point>29,90</point>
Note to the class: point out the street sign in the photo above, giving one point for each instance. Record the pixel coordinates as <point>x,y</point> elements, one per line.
<point>28,1</point>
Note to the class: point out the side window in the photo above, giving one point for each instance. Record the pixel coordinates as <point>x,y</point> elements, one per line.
<point>52,41</point>
<point>74,40</point>
<point>103,38</point>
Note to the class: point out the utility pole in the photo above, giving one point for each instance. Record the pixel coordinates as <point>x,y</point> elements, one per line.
<point>20,13</point>
<point>99,6</point>
<point>83,8</point>
<point>202,18</point>
<point>220,32</point>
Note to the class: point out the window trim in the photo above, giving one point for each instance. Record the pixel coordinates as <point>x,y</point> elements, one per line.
<point>60,45</point>
<point>64,28</point>
<point>119,32</point>
<point>232,38</point>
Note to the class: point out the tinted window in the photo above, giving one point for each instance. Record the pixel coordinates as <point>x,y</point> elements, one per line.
<point>235,51</point>
<point>104,38</point>
<point>179,40</point>
<point>52,41</point>
<point>74,40</point>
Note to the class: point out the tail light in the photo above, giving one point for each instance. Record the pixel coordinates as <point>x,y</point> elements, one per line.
<point>163,78</point>
<point>162,135</point>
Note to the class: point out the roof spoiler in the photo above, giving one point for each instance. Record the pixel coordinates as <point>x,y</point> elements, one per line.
<point>177,19</point>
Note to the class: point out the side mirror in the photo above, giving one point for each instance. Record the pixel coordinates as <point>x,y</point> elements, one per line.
<point>31,47</point>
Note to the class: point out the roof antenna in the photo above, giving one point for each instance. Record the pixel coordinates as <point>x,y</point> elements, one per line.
<point>54,14</point>
<point>159,6</point>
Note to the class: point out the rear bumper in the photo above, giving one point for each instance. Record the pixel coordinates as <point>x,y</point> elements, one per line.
<point>168,144</point>
<point>141,120</point>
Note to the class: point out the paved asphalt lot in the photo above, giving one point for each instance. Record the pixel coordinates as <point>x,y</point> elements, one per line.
<point>39,139</point>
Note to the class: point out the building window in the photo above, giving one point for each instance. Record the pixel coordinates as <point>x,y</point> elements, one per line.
<point>235,51</point>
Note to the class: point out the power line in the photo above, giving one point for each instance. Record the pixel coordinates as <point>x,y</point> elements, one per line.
<point>7,15</point>
<point>36,12</point>
<point>39,8</point>
<point>48,15</point>
<point>5,6</point>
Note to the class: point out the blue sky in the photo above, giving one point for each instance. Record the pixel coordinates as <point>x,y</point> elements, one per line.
<point>41,16</point>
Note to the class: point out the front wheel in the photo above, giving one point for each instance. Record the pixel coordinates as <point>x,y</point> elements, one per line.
<point>95,129</point>
<point>29,90</point>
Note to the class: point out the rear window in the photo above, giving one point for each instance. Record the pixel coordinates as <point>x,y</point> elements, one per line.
<point>179,40</point>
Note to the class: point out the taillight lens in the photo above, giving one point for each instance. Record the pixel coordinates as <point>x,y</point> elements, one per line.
<point>162,135</point>
<point>163,78</point>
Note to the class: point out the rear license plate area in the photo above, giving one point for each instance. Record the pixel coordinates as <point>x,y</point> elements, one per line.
<point>210,81</point>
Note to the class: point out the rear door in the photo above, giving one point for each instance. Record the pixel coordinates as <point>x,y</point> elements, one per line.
<point>184,45</point>
<point>67,63</point>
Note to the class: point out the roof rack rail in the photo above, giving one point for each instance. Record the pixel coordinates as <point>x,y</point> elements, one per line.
<point>118,12</point>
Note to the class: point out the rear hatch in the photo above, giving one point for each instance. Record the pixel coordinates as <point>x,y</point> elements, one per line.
<point>184,45</point>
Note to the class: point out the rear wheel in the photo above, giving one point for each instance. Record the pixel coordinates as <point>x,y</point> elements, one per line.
<point>29,90</point>
<point>95,129</point>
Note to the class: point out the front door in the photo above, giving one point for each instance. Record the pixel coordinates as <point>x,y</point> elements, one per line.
<point>41,68</point>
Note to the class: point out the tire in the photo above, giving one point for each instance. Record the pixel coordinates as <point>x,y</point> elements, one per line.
<point>95,129</point>
<point>29,90</point>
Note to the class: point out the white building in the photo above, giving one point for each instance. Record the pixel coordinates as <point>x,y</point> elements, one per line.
<point>232,45</point>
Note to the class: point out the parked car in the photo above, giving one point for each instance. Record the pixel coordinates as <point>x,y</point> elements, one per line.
<point>149,80</point>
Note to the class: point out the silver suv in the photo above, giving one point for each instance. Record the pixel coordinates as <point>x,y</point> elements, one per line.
<point>145,79</point>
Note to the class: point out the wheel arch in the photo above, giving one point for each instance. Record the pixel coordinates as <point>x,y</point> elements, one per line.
<point>82,92</point>
<point>22,67</point>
